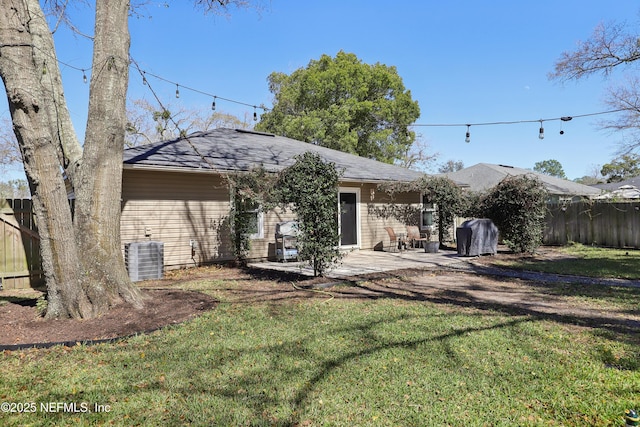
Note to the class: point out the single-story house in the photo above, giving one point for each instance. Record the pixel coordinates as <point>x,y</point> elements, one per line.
<point>175,192</point>
<point>627,189</point>
<point>622,192</point>
<point>484,176</point>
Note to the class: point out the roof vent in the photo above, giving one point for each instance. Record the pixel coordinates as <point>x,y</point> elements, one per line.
<point>254,132</point>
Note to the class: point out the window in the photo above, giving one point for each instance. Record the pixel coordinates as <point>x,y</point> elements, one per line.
<point>252,212</point>
<point>428,215</point>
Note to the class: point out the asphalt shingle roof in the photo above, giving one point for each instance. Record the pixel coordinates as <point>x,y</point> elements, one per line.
<point>233,150</point>
<point>635,181</point>
<point>484,176</point>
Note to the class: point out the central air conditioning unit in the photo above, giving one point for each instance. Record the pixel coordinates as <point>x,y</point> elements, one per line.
<point>144,260</point>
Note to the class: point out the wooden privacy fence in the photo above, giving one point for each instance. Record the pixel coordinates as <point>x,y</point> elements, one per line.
<point>601,223</point>
<point>20,263</point>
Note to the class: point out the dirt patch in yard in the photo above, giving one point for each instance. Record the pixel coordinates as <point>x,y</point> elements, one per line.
<point>20,323</point>
<point>181,295</point>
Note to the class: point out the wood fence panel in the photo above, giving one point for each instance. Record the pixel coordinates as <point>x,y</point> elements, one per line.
<point>20,262</point>
<point>601,223</point>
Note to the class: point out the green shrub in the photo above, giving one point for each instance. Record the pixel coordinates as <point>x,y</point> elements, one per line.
<point>310,187</point>
<point>517,206</point>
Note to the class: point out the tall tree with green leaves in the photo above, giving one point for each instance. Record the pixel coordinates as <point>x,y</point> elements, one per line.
<point>621,168</point>
<point>344,104</point>
<point>550,167</point>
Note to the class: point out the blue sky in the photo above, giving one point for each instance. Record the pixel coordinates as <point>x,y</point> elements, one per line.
<point>464,61</point>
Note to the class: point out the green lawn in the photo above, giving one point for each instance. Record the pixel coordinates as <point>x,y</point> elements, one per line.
<point>585,261</point>
<point>338,362</point>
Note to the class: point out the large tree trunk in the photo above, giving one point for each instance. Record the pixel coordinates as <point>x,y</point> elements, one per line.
<point>98,195</point>
<point>78,286</point>
<point>25,76</point>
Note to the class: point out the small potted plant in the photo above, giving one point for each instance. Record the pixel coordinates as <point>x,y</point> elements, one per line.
<point>430,246</point>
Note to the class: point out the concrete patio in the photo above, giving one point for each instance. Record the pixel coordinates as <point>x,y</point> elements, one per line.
<point>361,262</point>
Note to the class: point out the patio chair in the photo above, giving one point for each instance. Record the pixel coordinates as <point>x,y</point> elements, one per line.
<point>395,242</point>
<point>415,237</point>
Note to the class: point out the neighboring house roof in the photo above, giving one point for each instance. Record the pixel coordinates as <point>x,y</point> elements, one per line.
<point>484,176</point>
<point>623,192</point>
<point>234,150</point>
<point>635,182</point>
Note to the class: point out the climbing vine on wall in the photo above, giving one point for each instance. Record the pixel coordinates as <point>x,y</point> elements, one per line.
<point>310,189</point>
<point>448,197</point>
<point>248,189</point>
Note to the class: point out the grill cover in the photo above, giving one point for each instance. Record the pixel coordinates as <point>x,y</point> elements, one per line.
<point>477,237</point>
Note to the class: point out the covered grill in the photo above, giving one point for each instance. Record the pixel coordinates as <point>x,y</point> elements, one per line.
<point>286,240</point>
<point>477,237</point>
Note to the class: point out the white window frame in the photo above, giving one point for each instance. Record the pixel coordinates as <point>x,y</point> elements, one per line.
<point>260,222</point>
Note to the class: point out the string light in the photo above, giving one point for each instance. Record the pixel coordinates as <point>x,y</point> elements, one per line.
<point>541,134</point>
<point>541,130</point>
<point>201,92</point>
<point>145,82</point>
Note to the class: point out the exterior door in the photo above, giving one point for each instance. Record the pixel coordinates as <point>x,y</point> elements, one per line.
<point>348,218</point>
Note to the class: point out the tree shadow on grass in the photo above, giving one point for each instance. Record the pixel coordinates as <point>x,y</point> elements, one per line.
<point>539,300</point>
<point>558,301</point>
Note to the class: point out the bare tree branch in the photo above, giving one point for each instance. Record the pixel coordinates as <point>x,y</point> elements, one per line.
<point>611,46</point>
<point>608,47</point>
<point>146,124</point>
<point>9,151</point>
<point>625,97</point>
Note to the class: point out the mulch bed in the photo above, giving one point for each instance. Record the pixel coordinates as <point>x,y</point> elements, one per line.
<point>21,327</point>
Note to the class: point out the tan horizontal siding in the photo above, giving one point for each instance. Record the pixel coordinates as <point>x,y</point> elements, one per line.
<point>176,208</point>
<point>376,214</point>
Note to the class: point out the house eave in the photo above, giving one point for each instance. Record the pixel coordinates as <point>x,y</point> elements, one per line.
<point>174,169</point>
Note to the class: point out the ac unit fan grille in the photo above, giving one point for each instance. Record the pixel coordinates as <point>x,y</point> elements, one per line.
<point>144,260</point>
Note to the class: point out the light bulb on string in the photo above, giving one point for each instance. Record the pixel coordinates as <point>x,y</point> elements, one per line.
<point>541,134</point>
<point>468,135</point>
